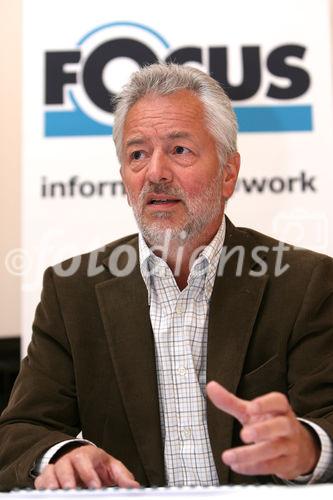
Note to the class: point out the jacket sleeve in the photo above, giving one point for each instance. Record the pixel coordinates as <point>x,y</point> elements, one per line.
<point>43,406</point>
<point>310,374</point>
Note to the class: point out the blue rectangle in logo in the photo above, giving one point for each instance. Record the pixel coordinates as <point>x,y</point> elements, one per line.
<point>274,118</point>
<point>250,119</point>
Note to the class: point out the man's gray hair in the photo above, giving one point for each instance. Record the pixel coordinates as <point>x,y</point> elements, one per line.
<point>164,79</point>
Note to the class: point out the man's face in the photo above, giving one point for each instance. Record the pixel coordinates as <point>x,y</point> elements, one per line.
<point>171,169</point>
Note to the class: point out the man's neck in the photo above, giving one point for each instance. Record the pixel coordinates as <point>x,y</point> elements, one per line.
<point>181,255</point>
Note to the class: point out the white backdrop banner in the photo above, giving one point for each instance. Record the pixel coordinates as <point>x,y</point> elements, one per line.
<point>274,60</point>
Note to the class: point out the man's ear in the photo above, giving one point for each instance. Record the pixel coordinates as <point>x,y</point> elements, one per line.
<point>230,175</point>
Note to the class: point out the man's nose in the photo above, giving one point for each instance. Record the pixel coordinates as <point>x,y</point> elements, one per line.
<point>159,168</point>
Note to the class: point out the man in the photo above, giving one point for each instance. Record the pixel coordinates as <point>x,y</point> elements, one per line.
<point>124,354</point>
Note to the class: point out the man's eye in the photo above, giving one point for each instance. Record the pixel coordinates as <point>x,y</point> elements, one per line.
<point>137,155</point>
<point>180,150</point>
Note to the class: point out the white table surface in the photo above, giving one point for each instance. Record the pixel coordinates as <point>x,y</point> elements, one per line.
<point>315,492</point>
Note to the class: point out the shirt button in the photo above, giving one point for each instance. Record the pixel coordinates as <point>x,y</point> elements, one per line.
<point>180,308</point>
<point>187,433</point>
<point>182,371</point>
<point>161,272</point>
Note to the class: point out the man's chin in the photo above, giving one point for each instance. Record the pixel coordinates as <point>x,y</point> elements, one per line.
<point>161,231</point>
<point>157,216</point>
<point>161,221</point>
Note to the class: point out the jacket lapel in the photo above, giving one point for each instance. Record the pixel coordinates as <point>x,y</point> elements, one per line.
<point>124,308</point>
<point>234,306</point>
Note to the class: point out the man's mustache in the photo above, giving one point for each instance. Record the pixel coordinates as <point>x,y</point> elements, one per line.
<point>160,188</point>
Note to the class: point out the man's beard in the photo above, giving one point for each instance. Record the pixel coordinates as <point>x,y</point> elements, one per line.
<point>199,213</point>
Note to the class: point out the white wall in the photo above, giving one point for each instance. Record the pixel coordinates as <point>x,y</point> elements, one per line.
<point>10,109</point>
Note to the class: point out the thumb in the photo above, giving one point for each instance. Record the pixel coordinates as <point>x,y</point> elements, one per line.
<point>227,402</point>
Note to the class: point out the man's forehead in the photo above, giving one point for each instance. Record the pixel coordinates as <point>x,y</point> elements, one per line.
<point>173,116</point>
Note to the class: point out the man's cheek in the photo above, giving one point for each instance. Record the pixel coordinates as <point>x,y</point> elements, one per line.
<point>132,198</point>
<point>195,189</point>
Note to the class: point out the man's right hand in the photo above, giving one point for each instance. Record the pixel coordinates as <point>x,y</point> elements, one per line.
<point>88,467</point>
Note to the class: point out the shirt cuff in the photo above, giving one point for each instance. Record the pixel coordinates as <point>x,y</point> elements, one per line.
<point>324,468</point>
<point>45,459</point>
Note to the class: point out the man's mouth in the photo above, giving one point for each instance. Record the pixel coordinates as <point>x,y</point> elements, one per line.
<point>160,199</point>
<point>162,202</point>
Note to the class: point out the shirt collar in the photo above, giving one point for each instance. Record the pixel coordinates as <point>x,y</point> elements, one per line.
<point>205,263</point>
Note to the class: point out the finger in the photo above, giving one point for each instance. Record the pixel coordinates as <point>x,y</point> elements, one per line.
<point>84,468</point>
<point>47,479</point>
<point>273,402</point>
<point>280,466</point>
<point>226,401</point>
<point>255,453</point>
<point>276,427</point>
<point>65,474</point>
<point>121,475</point>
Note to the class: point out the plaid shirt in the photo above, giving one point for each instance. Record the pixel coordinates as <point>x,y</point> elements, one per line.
<point>180,324</point>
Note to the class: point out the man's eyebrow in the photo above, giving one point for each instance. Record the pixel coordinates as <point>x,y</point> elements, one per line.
<point>135,141</point>
<point>179,134</point>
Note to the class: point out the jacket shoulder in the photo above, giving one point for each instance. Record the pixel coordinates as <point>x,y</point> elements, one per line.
<point>91,265</point>
<point>300,261</point>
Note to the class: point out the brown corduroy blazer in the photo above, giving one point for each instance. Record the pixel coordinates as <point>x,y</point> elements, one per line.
<point>91,361</point>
